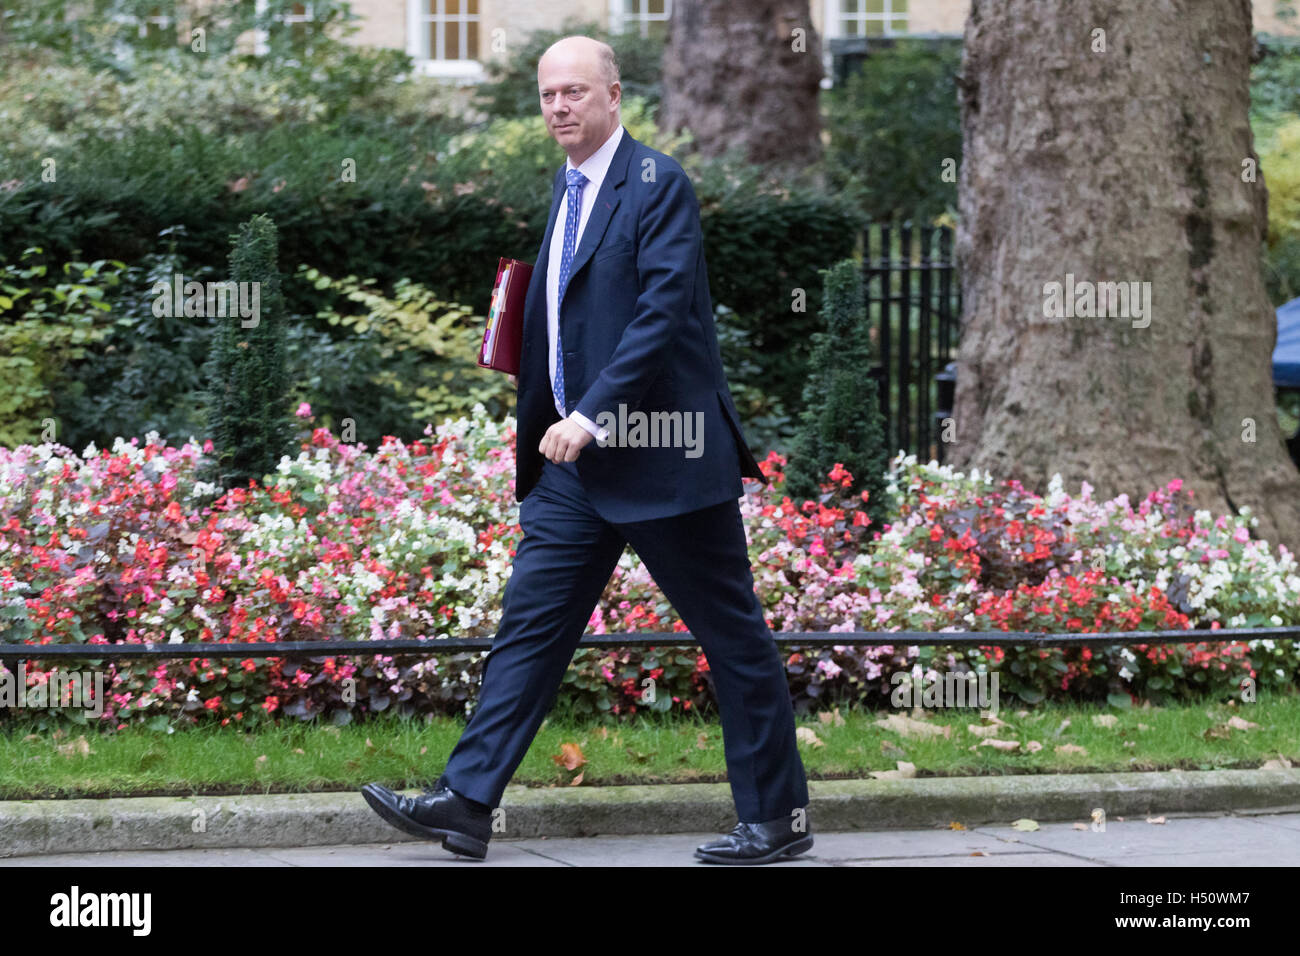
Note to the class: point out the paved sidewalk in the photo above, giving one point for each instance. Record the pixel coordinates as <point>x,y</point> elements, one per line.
<point>1240,839</point>
<point>279,821</point>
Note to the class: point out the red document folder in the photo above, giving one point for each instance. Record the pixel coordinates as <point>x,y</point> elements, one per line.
<point>505,321</point>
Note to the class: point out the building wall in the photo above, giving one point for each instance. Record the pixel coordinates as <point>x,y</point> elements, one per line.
<point>384,22</point>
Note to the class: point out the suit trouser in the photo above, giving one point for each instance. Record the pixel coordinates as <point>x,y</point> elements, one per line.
<point>561,567</point>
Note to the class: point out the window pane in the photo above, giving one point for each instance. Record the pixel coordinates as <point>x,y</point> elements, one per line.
<point>433,6</point>
<point>657,29</point>
<point>453,6</point>
<point>875,6</point>
<point>874,28</point>
<point>850,28</point>
<point>471,46</point>
<point>656,6</point>
<point>850,6</point>
<point>898,26</point>
<point>453,40</point>
<point>471,7</point>
<point>433,40</point>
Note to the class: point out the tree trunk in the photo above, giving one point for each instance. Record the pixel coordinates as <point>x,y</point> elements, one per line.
<point>735,76</point>
<point>1122,165</point>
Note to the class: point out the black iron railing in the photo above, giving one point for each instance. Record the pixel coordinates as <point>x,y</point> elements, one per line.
<point>290,649</point>
<point>914,299</point>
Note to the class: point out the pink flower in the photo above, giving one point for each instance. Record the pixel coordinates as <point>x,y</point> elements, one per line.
<point>303,411</point>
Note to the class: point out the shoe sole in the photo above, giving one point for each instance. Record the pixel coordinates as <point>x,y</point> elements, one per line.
<point>452,840</point>
<point>782,853</point>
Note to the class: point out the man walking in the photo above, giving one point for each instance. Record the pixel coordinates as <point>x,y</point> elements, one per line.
<point>619,323</point>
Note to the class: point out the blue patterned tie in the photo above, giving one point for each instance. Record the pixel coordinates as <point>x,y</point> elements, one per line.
<point>576,181</point>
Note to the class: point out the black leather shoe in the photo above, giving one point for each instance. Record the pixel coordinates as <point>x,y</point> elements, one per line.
<point>439,813</point>
<point>749,844</point>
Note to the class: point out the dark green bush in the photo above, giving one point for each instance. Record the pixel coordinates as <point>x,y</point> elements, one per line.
<point>248,399</point>
<point>892,125</point>
<point>841,422</point>
<point>511,89</point>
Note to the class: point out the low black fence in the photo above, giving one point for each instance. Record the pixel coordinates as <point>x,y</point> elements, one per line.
<point>442,645</point>
<point>913,296</point>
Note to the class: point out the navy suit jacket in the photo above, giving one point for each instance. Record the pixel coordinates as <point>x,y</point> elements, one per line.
<point>638,331</point>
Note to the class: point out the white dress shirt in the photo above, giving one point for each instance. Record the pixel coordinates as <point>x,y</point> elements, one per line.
<point>594,168</point>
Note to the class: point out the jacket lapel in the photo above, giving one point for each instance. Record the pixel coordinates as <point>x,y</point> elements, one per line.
<point>606,202</point>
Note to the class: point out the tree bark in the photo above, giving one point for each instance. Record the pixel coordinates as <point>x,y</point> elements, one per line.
<point>1119,165</point>
<point>732,75</point>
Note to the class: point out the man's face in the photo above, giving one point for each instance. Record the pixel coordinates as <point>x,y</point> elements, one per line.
<point>578,107</point>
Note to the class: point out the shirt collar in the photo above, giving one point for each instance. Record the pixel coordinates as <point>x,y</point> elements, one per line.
<point>596,165</point>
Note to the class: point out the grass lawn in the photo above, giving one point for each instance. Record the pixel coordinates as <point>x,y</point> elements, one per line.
<point>657,749</point>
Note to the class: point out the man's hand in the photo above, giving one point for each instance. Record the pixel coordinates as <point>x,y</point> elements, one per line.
<point>513,380</point>
<point>563,441</point>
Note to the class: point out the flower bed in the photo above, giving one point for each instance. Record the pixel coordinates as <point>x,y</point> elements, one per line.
<point>415,540</point>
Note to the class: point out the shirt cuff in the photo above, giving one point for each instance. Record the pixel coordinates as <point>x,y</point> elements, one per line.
<point>600,434</point>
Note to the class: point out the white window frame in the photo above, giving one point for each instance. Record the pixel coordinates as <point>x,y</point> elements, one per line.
<point>124,51</point>
<point>833,28</point>
<point>261,43</point>
<point>425,60</point>
<point>620,19</point>
<point>834,19</point>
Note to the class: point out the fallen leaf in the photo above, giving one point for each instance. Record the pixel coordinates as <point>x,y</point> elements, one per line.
<point>570,756</point>
<point>1065,723</point>
<point>1033,747</point>
<point>1279,764</point>
<point>905,771</point>
<point>889,748</point>
<point>75,748</point>
<point>1105,720</point>
<point>369,744</point>
<point>979,731</point>
<point>577,780</point>
<point>979,853</point>
<point>1071,749</point>
<point>1025,824</point>
<point>424,750</point>
<point>299,750</point>
<point>954,825</point>
<point>261,759</point>
<point>805,735</point>
<point>1079,826</point>
<point>1159,820</point>
<point>1004,745</point>
<point>1022,714</point>
<point>702,742</point>
<point>1240,723</point>
<point>1143,727</point>
<point>1221,732</point>
<point>831,717</point>
<point>910,727</point>
<point>603,733</point>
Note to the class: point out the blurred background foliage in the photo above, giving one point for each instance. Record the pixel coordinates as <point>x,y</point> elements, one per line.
<point>159,154</point>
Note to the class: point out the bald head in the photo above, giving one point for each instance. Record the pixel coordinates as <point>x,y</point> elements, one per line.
<point>585,49</point>
<point>578,84</point>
